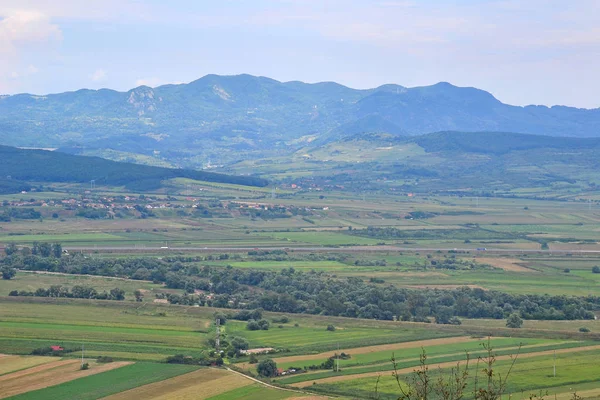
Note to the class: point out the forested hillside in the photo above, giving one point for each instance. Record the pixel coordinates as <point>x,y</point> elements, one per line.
<point>19,166</point>
<point>200,121</point>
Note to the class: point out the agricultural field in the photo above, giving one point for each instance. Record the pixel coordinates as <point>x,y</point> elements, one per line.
<point>517,246</point>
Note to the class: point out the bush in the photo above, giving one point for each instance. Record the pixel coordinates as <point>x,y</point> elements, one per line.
<point>596,269</point>
<point>514,321</point>
<point>104,359</point>
<point>566,270</point>
<point>264,324</point>
<point>330,328</point>
<point>253,359</point>
<point>281,320</point>
<point>584,329</point>
<point>252,325</point>
<point>8,273</point>
<point>85,366</point>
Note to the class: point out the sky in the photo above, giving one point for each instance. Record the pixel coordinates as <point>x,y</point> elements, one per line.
<point>522,51</point>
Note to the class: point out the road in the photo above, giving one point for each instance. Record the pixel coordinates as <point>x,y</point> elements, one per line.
<point>318,249</point>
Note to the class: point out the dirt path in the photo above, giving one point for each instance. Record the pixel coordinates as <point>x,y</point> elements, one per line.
<point>305,395</point>
<point>50,374</point>
<point>507,264</point>
<point>378,348</point>
<point>448,364</point>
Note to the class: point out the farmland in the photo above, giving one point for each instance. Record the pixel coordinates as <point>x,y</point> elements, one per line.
<point>291,238</point>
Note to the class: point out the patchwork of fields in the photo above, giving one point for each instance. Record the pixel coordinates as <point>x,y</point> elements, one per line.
<point>418,242</point>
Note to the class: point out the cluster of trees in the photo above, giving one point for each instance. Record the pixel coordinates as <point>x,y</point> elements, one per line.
<point>212,358</point>
<point>291,291</point>
<point>460,234</point>
<point>76,292</point>
<point>19,213</point>
<point>42,249</point>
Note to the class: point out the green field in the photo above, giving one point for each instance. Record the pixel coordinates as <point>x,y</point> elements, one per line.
<point>107,383</point>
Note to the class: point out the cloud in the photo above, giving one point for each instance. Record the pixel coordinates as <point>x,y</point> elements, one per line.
<point>26,27</point>
<point>99,75</point>
<point>28,71</point>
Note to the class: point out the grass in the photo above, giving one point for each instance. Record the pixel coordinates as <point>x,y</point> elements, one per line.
<point>382,357</point>
<point>316,338</point>
<point>575,371</point>
<point>127,328</point>
<point>10,364</point>
<point>107,383</point>
<point>254,392</point>
<point>30,281</point>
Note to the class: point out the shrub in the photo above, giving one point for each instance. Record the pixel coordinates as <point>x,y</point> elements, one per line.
<point>584,329</point>
<point>566,270</point>
<point>596,269</point>
<point>281,320</point>
<point>104,359</point>
<point>85,366</point>
<point>253,359</point>
<point>514,321</point>
<point>330,328</point>
<point>252,325</point>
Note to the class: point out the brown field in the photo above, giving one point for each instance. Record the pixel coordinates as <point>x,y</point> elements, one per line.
<point>507,264</point>
<point>49,374</point>
<point>200,384</point>
<point>16,363</point>
<point>384,347</point>
<point>448,364</point>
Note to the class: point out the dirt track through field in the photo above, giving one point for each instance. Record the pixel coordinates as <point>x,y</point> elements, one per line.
<point>507,264</point>
<point>49,374</point>
<point>378,348</point>
<point>200,384</point>
<point>448,364</point>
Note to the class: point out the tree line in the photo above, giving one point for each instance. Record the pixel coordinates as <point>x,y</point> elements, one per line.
<point>292,291</point>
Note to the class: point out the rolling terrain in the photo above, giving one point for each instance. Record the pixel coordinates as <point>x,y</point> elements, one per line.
<point>192,124</point>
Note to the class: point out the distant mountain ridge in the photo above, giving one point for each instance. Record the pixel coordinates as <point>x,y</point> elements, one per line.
<point>248,113</point>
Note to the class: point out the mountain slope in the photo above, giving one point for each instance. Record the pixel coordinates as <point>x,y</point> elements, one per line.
<point>192,123</point>
<point>20,165</point>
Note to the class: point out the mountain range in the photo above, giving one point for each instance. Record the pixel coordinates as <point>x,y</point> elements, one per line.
<point>189,124</point>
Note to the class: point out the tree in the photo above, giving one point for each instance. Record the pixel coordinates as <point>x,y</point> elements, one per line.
<point>45,249</point>
<point>514,321</point>
<point>267,368</point>
<point>8,273</point>
<point>139,296</point>
<point>117,294</point>
<point>57,250</point>
<point>239,344</point>
<point>10,249</point>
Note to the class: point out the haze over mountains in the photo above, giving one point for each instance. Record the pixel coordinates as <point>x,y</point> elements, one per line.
<point>247,113</point>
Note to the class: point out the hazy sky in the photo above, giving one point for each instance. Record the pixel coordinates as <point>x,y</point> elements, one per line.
<point>522,51</point>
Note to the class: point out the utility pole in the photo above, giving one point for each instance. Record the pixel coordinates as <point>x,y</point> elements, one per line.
<point>338,359</point>
<point>218,338</point>
<point>555,363</point>
<point>82,351</point>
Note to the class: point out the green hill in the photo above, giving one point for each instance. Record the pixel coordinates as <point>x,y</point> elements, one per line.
<point>19,166</point>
